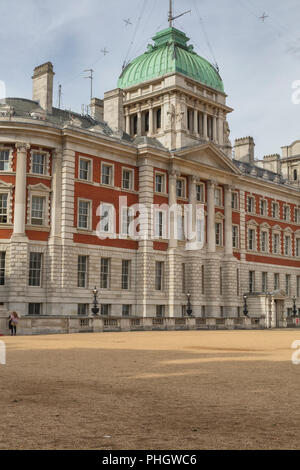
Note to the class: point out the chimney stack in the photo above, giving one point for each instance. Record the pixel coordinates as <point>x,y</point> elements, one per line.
<point>43,86</point>
<point>113,109</point>
<point>244,149</point>
<point>97,109</point>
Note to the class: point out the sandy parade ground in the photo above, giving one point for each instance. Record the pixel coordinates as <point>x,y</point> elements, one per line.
<point>151,390</point>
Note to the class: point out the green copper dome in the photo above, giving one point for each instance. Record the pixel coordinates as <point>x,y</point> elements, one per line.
<point>170,54</point>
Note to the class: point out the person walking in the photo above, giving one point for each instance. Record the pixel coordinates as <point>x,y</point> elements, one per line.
<point>13,322</point>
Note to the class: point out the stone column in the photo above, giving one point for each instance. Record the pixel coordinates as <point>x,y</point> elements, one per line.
<point>211,228</point>
<point>193,203</point>
<point>145,280</point>
<point>172,274</point>
<point>55,224</point>
<point>151,120</point>
<point>139,122</point>
<point>220,129</point>
<point>172,201</point>
<point>20,189</point>
<point>127,122</point>
<point>55,254</point>
<point>215,137</point>
<point>196,130</point>
<point>205,136</point>
<point>228,220</point>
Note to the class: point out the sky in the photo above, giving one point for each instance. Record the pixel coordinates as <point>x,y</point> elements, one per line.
<point>258,60</point>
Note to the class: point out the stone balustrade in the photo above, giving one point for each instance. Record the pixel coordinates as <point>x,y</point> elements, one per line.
<point>33,325</point>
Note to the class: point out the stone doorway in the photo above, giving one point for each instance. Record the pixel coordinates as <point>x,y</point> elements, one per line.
<point>279,312</point>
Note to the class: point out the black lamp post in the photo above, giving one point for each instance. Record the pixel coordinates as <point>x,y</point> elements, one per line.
<point>189,310</point>
<point>294,307</point>
<point>245,305</point>
<point>95,309</point>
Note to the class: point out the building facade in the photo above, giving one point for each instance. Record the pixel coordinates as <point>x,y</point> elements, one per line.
<point>160,139</point>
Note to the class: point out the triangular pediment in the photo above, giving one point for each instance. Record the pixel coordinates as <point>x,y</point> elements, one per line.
<point>209,155</point>
<point>39,187</point>
<point>4,185</point>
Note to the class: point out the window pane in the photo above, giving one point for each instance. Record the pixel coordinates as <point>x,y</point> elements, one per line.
<point>35,265</point>
<point>38,163</point>
<point>104,273</point>
<point>4,160</point>
<point>84,169</point>
<point>3,208</point>
<point>2,268</point>
<point>82,271</point>
<point>83,219</point>
<point>37,210</point>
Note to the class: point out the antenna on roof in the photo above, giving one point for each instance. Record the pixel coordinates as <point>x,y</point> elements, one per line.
<point>171,18</point>
<point>91,77</point>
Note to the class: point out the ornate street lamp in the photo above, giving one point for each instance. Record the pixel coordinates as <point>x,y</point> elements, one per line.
<point>245,305</point>
<point>95,309</point>
<point>189,310</point>
<point>294,307</point>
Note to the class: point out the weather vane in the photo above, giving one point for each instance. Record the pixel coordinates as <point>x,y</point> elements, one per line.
<point>171,18</point>
<point>264,17</point>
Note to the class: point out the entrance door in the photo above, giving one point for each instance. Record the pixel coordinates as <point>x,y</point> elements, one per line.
<point>279,312</point>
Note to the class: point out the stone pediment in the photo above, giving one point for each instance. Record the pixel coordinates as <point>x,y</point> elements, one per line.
<point>278,294</point>
<point>39,187</point>
<point>209,155</point>
<point>4,185</point>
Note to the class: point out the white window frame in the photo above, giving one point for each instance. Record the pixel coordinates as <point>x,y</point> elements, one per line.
<point>265,249</point>
<point>41,269</point>
<point>218,190</point>
<point>7,188</point>
<point>286,215</point>
<point>131,178</point>
<point>237,246</point>
<point>42,219</point>
<point>263,207</point>
<point>252,199</point>
<point>296,215</point>
<point>163,175</point>
<point>90,169</point>
<point>90,206</point>
<point>202,192</point>
<point>46,162</point>
<point>111,219</point>
<point>278,252</point>
<point>183,196</point>
<point>10,159</point>
<point>160,224</point>
<point>275,205</point>
<point>39,190</point>
<point>235,200</point>
<point>254,244</point>
<point>287,236</point>
<point>112,166</point>
<point>219,243</point>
